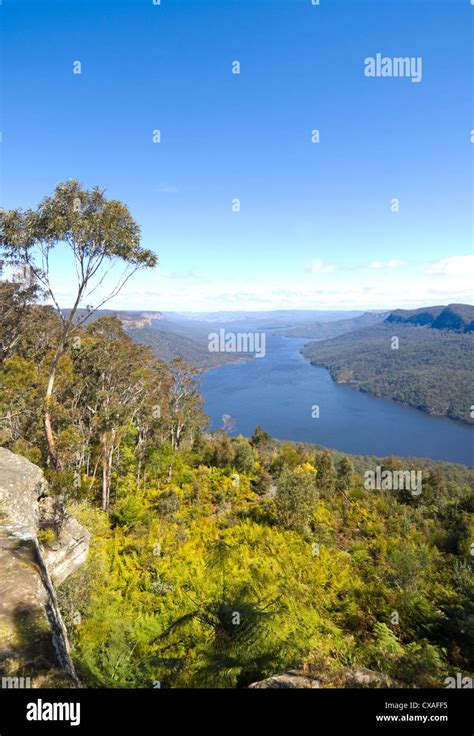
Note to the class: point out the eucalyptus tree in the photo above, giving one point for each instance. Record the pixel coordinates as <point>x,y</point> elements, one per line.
<point>96,234</point>
<point>186,417</point>
<point>113,396</point>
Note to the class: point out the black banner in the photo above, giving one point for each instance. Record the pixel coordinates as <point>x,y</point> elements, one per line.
<point>30,711</point>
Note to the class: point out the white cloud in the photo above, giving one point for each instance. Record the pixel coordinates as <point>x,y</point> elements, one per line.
<point>452,266</point>
<point>320,266</point>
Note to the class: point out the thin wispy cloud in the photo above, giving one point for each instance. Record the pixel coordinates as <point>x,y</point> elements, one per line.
<point>188,274</point>
<point>321,266</point>
<point>391,263</point>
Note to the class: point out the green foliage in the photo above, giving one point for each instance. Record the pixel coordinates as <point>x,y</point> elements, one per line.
<point>345,475</point>
<point>261,482</point>
<point>97,233</point>
<point>129,512</point>
<point>96,226</point>
<point>295,497</point>
<point>167,503</point>
<point>230,587</point>
<point>21,447</point>
<point>288,456</point>
<point>167,346</point>
<point>325,472</point>
<point>45,536</point>
<point>418,664</point>
<point>221,452</point>
<point>243,456</point>
<point>260,438</point>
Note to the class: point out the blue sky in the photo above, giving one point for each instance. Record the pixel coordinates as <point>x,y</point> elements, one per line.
<point>316,227</point>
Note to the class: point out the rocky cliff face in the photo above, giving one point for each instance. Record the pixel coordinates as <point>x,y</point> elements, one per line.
<point>33,639</point>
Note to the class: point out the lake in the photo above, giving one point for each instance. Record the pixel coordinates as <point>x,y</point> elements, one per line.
<point>280,390</point>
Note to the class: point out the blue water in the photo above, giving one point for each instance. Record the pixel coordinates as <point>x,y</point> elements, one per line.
<point>279,390</point>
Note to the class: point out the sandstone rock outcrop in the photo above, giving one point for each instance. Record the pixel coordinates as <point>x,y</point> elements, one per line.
<point>289,680</point>
<point>345,677</point>
<point>33,639</point>
<point>69,550</point>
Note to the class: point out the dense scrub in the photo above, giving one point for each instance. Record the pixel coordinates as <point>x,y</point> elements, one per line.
<point>200,580</point>
<point>218,561</point>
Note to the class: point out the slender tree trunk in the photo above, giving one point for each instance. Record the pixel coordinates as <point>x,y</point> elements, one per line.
<point>109,472</point>
<point>47,408</point>
<point>67,326</point>
<point>107,462</point>
<point>104,484</point>
<point>94,474</point>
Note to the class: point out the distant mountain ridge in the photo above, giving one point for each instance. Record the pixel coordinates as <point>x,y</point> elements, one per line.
<point>326,330</point>
<point>454,317</point>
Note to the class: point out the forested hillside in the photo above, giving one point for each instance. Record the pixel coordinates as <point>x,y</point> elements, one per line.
<point>218,562</point>
<point>431,369</point>
<point>166,338</point>
<point>167,345</point>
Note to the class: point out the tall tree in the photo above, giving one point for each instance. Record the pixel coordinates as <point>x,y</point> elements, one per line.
<point>345,475</point>
<point>296,497</point>
<point>112,394</point>
<point>97,233</point>
<point>326,473</point>
<point>185,406</point>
